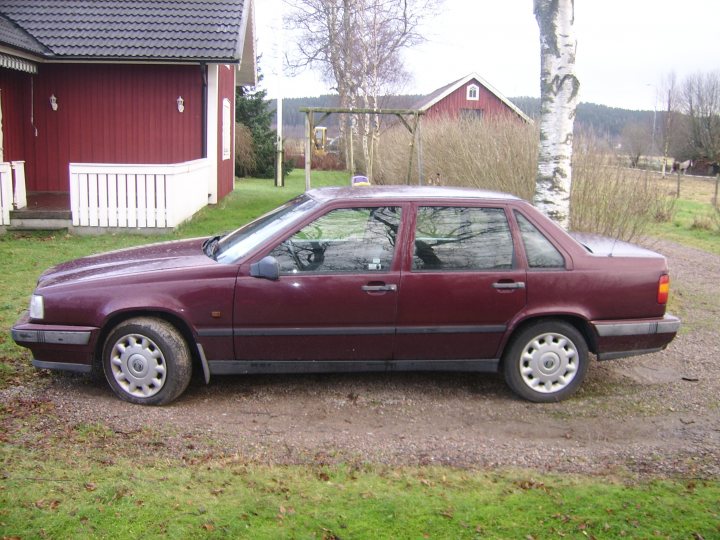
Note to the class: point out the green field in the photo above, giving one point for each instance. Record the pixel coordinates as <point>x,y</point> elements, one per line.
<point>87,481</point>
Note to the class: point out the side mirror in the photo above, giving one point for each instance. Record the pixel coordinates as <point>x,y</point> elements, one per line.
<point>266,268</point>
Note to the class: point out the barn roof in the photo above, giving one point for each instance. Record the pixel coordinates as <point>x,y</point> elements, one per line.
<point>179,30</point>
<point>441,93</point>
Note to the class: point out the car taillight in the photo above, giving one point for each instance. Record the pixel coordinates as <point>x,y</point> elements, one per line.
<point>663,289</point>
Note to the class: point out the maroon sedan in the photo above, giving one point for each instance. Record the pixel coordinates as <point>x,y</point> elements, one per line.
<point>357,279</point>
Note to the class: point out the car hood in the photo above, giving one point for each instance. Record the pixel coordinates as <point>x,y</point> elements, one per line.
<point>604,246</point>
<point>138,260</point>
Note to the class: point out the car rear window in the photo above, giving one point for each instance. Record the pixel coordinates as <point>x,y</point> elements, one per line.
<point>540,252</point>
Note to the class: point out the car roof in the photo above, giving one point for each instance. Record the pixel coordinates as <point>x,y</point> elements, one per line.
<point>407,193</point>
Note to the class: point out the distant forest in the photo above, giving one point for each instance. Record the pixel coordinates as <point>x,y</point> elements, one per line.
<point>605,122</point>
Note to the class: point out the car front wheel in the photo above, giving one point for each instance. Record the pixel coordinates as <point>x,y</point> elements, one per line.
<point>147,361</point>
<point>546,361</point>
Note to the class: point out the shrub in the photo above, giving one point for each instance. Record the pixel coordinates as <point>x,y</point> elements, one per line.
<point>501,155</point>
<point>609,199</point>
<point>665,209</point>
<point>244,151</point>
<point>489,154</point>
<point>708,221</point>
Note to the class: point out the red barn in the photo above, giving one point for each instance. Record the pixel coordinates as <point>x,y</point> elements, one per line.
<point>121,111</point>
<point>472,96</point>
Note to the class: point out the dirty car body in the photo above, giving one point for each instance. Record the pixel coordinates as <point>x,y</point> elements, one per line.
<point>357,279</point>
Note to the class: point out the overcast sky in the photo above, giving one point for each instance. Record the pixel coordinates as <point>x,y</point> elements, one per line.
<point>625,47</point>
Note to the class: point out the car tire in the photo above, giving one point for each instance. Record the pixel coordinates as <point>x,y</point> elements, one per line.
<point>546,361</point>
<point>147,361</point>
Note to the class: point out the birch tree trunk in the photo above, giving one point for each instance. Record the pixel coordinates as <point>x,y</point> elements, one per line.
<point>559,97</point>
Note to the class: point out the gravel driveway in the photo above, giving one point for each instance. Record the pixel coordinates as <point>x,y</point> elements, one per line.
<point>655,414</point>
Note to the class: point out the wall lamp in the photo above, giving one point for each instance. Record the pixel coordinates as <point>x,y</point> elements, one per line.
<point>53,102</point>
<point>180,104</point>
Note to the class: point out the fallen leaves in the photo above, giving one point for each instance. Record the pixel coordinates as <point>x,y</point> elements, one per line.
<point>43,504</point>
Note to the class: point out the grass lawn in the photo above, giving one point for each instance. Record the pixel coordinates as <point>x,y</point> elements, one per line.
<point>87,481</point>
<point>94,496</point>
<point>695,221</point>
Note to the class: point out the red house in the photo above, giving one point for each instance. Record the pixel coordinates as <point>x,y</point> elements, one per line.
<point>471,96</point>
<point>122,111</point>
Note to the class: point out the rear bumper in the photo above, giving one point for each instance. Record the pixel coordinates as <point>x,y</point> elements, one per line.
<point>68,348</point>
<point>617,339</point>
<point>669,324</point>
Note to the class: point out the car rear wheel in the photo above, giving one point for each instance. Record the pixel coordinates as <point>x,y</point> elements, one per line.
<point>147,361</point>
<point>546,361</point>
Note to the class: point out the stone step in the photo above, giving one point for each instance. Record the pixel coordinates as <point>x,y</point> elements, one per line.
<point>39,224</point>
<point>40,214</point>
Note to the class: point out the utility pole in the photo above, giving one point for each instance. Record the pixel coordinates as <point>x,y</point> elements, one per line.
<point>279,180</point>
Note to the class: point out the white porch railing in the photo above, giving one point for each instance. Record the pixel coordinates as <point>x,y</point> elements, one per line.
<point>6,198</point>
<point>137,196</point>
<point>19,193</point>
<point>12,189</point>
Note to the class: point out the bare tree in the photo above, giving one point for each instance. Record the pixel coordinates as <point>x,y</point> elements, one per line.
<point>636,141</point>
<point>669,89</point>
<point>356,45</point>
<point>701,103</point>
<point>559,97</point>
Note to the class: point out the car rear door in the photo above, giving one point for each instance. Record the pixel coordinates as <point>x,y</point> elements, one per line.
<point>462,285</point>
<point>336,297</point>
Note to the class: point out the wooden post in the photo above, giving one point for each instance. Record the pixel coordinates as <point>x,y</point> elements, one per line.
<point>352,146</point>
<point>677,191</point>
<point>715,198</point>
<point>412,151</point>
<point>421,175</point>
<point>308,150</point>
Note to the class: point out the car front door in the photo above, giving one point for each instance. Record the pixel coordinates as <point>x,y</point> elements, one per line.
<point>463,288</point>
<point>336,296</point>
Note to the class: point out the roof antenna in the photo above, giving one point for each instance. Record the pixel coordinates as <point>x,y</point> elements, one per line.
<point>612,250</point>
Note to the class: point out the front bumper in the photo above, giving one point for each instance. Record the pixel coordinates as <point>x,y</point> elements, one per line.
<point>617,339</point>
<point>68,348</point>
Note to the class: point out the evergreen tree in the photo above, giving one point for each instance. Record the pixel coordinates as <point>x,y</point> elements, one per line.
<point>252,110</point>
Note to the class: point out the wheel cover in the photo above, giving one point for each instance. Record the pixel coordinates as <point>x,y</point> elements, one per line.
<point>549,363</point>
<point>138,365</point>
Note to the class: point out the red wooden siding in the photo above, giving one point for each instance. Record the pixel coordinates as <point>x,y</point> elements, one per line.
<point>109,113</point>
<point>452,105</point>
<point>226,167</point>
<point>15,90</point>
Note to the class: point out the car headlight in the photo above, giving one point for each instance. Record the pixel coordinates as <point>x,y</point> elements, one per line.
<point>37,307</point>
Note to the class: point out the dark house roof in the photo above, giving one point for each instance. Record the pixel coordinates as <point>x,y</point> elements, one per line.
<point>15,36</point>
<point>182,30</point>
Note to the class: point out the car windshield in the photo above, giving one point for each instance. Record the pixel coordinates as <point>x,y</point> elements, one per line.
<point>237,244</point>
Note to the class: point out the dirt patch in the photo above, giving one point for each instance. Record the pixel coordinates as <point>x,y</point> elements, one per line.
<point>654,414</point>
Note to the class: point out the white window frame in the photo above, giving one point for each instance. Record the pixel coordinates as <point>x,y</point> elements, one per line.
<point>226,129</point>
<point>472,89</point>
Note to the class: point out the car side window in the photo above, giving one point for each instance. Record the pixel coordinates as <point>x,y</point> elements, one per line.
<point>540,252</point>
<point>343,240</point>
<point>461,238</point>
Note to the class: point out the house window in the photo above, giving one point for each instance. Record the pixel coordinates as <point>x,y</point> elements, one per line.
<point>473,92</point>
<point>471,114</point>
<point>226,129</point>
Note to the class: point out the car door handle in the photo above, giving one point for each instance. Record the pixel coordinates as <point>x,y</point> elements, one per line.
<point>379,288</point>
<point>509,285</point>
